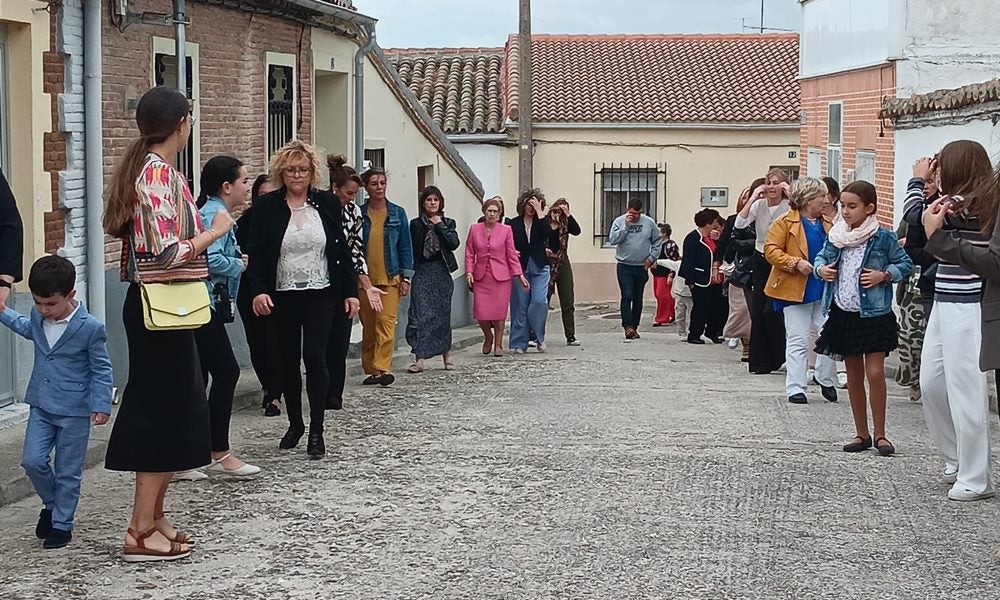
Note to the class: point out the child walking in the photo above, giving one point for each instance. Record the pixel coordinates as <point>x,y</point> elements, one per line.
<point>860,261</point>
<point>70,388</point>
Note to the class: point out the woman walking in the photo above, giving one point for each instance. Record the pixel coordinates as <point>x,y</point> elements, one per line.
<point>163,423</point>
<point>300,269</point>
<point>859,262</point>
<point>954,390</point>
<point>224,187</point>
<point>700,269</point>
<point>491,262</point>
<point>793,243</point>
<point>663,279</point>
<point>533,239</point>
<point>737,255</point>
<point>428,326</point>
<point>767,329</point>
<point>257,329</point>
<point>389,254</point>
<point>563,225</point>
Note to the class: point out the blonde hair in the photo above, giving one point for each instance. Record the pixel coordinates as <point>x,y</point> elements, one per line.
<point>293,151</point>
<point>776,172</point>
<point>804,190</point>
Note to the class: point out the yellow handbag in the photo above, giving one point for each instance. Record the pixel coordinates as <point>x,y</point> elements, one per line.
<point>175,306</point>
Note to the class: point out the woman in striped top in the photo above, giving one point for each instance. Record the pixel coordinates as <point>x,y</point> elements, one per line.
<point>956,403</point>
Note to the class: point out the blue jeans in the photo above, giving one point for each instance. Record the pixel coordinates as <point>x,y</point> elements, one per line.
<point>632,282</point>
<point>59,491</point>
<point>529,309</point>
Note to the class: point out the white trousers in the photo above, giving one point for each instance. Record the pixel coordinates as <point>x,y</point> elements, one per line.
<point>955,395</point>
<point>800,320</point>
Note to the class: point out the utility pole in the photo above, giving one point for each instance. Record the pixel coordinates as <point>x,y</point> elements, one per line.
<point>762,17</point>
<point>525,139</point>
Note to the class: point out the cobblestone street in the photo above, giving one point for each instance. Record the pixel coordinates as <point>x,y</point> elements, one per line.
<point>645,469</point>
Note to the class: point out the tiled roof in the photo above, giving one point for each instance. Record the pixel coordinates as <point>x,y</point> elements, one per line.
<point>660,78</point>
<point>942,100</point>
<point>461,88</point>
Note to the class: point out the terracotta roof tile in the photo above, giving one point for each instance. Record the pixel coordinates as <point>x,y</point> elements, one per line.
<point>660,78</point>
<point>942,100</point>
<point>460,87</point>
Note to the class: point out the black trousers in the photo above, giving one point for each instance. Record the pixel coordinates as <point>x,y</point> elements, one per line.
<point>337,349</point>
<point>767,327</point>
<point>263,356</point>
<point>708,312</point>
<point>215,353</point>
<point>303,319</point>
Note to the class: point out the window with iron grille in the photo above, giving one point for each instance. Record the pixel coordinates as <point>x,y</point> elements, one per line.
<point>165,73</point>
<point>280,107</point>
<point>620,184</point>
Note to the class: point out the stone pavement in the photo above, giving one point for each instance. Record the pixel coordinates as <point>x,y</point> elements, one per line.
<point>645,469</point>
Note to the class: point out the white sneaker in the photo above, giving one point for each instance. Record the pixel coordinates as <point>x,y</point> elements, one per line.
<point>811,377</point>
<point>964,495</point>
<point>950,476</point>
<point>192,475</point>
<point>733,343</point>
<point>842,380</point>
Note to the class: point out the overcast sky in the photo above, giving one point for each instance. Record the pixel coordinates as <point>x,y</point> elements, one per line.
<point>449,23</point>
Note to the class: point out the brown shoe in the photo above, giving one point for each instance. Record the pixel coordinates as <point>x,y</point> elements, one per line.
<point>631,333</point>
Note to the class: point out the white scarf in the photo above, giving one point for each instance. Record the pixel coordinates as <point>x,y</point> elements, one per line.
<point>842,236</point>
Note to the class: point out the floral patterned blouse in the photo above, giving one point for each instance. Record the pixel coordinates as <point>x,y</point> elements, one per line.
<point>165,219</point>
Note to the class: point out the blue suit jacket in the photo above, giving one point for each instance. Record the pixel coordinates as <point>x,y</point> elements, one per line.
<point>74,378</point>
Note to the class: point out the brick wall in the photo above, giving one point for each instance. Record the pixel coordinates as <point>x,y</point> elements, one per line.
<point>53,75</point>
<point>232,47</point>
<point>862,92</point>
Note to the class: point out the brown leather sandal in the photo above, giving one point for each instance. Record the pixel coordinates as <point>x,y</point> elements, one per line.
<point>180,537</point>
<point>140,553</point>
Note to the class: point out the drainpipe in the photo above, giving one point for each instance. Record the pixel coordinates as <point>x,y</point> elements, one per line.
<point>94,158</point>
<point>359,95</point>
<point>180,52</point>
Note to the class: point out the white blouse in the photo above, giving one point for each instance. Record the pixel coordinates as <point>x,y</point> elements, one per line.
<point>848,291</point>
<point>302,263</point>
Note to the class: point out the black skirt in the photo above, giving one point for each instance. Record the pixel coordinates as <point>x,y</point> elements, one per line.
<point>849,334</point>
<point>162,424</point>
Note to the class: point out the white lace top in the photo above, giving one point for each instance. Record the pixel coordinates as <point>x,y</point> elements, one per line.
<point>302,264</point>
<point>848,291</point>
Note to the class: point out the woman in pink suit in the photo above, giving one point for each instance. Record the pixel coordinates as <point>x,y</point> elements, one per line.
<point>490,263</point>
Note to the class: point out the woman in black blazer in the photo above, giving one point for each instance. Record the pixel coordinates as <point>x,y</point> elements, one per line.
<point>300,268</point>
<point>700,270</point>
<point>434,238</point>
<point>11,241</point>
<point>532,237</point>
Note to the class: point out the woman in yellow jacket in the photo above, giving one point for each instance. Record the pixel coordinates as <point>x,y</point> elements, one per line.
<point>792,244</point>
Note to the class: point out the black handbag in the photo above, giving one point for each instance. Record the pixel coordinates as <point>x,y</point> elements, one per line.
<point>224,305</point>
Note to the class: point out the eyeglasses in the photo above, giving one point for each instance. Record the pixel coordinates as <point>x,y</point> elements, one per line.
<point>299,171</point>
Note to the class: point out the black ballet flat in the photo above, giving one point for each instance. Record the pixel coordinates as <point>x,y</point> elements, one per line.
<point>291,438</point>
<point>859,446</point>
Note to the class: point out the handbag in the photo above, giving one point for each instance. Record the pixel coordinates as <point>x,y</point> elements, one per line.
<point>175,305</point>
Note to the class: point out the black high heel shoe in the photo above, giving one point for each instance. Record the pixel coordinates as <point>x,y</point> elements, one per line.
<point>316,447</point>
<point>291,437</point>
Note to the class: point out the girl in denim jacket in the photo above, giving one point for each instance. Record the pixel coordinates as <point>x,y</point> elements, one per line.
<point>859,262</point>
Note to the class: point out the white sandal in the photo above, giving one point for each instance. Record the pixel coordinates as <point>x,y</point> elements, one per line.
<point>414,368</point>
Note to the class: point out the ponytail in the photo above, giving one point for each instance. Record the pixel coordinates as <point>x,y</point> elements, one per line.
<point>120,193</point>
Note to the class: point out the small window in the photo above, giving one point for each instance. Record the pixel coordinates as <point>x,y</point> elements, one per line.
<point>280,107</point>
<point>833,163</point>
<point>375,158</point>
<point>791,173</point>
<point>864,166</point>
<point>425,177</point>
<point>835,122</point>
<point>814,168</point>
<point>714,197</point>
<point>620,186</point>
<point>165,73</point>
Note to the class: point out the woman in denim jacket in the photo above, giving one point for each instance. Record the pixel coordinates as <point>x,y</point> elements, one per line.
<point>225,186</point>
<point>860,262</point>
<point>389,254</point>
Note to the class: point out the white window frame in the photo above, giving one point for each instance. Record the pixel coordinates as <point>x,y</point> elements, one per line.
<point>814,162</point>
<point>168,47</point>
<point>866,157</point>
<point>280,59</point>
<point>835,148</point>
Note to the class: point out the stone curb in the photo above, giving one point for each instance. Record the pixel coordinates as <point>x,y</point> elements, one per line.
<point>246,398</point>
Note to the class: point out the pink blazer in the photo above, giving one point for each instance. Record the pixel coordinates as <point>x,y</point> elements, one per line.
<point>497,251</point>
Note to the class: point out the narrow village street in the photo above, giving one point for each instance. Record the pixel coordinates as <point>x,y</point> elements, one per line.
<point>645,469</point>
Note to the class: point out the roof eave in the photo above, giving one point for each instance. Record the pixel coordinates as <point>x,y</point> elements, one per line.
<point>768,125</point>
<point>337,12</point>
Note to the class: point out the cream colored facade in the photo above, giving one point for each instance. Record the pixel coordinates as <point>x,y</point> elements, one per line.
<point>410,155</point>
<point>25,30</point>
<point>691,158</point>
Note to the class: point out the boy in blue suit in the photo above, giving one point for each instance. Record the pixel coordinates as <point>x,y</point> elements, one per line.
<point>70,388</point>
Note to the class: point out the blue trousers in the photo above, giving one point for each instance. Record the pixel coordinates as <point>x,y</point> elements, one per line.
<point>632,282</point>
<point>59,490</point>
<point>529,309</point>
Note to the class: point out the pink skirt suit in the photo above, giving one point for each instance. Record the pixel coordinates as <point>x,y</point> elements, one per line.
<point>493,262</point>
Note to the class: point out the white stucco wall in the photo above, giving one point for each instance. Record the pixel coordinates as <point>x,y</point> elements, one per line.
<point>486,162</point>
<point>914,143</point>
<point>840,35</point>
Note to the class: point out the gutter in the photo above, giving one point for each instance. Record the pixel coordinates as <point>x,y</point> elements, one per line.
<point>682,126</point>
<point>478,138</point>
<point>359,95</point>
<point>94,158</point>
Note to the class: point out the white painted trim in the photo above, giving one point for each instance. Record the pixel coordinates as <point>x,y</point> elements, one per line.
<point>168,46</point>
<point>862,67</point>
<point>840,143</point>
<point>283,60</point>
<point>714,126</point>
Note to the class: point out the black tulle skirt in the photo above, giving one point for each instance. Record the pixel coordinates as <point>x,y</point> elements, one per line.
<point>849,334</point>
